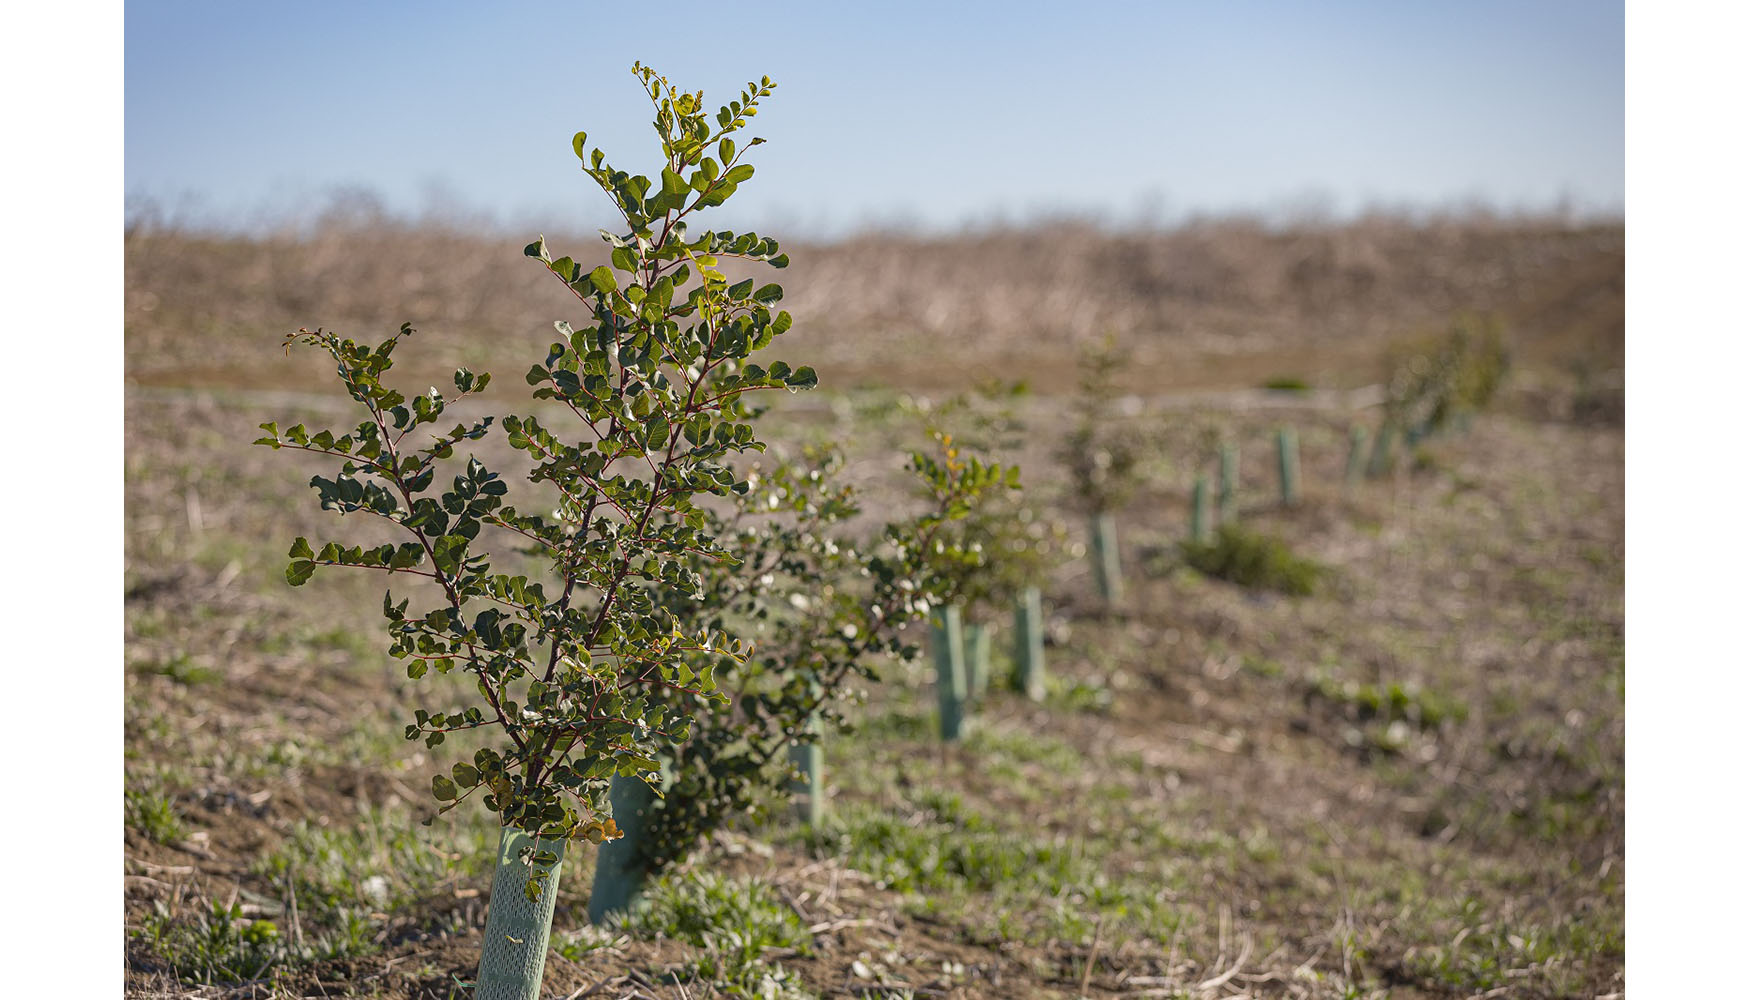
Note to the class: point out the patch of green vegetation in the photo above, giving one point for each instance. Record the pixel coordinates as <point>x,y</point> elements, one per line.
<point>1409,703</point>
<point>150,813</point>
<point>990,744</point>
<point>1261,666</point>
<point>734,923</point>
<point>1255,561</point>
<point>1489,955</point>
<point>182,670</point>
<point>385,862</point>
<point>144,726</point>
<point>361,645</point>
<point>332,879</point>
<point>1287,383</point>
<point>963,866</point>
<point>1075,695</point>
<point>218,945</point>
<point>897,725</point>
<point>924,852</point>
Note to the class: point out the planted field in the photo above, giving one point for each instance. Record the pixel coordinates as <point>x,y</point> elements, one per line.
<point>1366,744</point>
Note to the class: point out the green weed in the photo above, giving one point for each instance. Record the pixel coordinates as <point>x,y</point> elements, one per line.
<point>1418,706</point>
<point>385,862</point>
<point>1254,560</point>
<point>735,922</point>
<point>182,670</point>
<point>151,814</point>
<point>1486,956</point>
<point>215,946</point>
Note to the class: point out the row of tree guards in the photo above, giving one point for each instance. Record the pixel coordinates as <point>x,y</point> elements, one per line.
<point>962,657</point>
<point>961,652</point>
<point>1432,389</point>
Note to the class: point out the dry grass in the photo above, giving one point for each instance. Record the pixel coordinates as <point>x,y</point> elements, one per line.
<point>1223,304</point>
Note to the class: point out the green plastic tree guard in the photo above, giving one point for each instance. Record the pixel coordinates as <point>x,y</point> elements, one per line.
<point>1200,510</point>
<point>809,759</point>
<point>949,647</point>
<point>1288,465</point>
<point>1030,645</point>
<point>977,658</point>
<point>513,955</point>
<point>1357,463</point>
<point>620,868</point>
<point>1104,530</point>
<point>1227,493</point>
<point>1379,462</point>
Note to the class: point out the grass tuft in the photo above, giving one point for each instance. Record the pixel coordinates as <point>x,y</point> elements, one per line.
<point>152,815</point>
<point>733,923</point>
<point>1255,561</point>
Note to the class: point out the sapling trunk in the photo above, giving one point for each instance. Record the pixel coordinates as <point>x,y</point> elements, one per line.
<point>948,644</point>
<point>1200,509</point>
<point>1227,494</point>
<point>977,658</point>
<point>513,955</point>
<point>1288,465</point>
<point>621,868</point>
<point>1030,645</point>
<point>1103,529</point>
<point>1357,463</point>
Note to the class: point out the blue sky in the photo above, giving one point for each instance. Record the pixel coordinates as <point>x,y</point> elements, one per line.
<point>936,114</point>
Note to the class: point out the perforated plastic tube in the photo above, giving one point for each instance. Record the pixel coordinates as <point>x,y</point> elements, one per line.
<point>950,649</point>
<point>1107,575</point>
<point>1288,465</point>
<point>1200,510</point>
<point>976,656</point>
<point>1030,644</point>
<point>620,867</point>
<point>807,791</point>
<point>514,953</point>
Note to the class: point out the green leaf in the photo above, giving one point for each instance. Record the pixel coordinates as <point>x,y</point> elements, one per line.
<point>299,571</point>
<point>674,186</point>
<point>577,142</point>
<point>443,788</point>
<point>603,280</point>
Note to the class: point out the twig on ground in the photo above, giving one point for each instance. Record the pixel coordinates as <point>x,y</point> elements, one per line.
<point>1245,953</point>
<point>1093,953</point>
